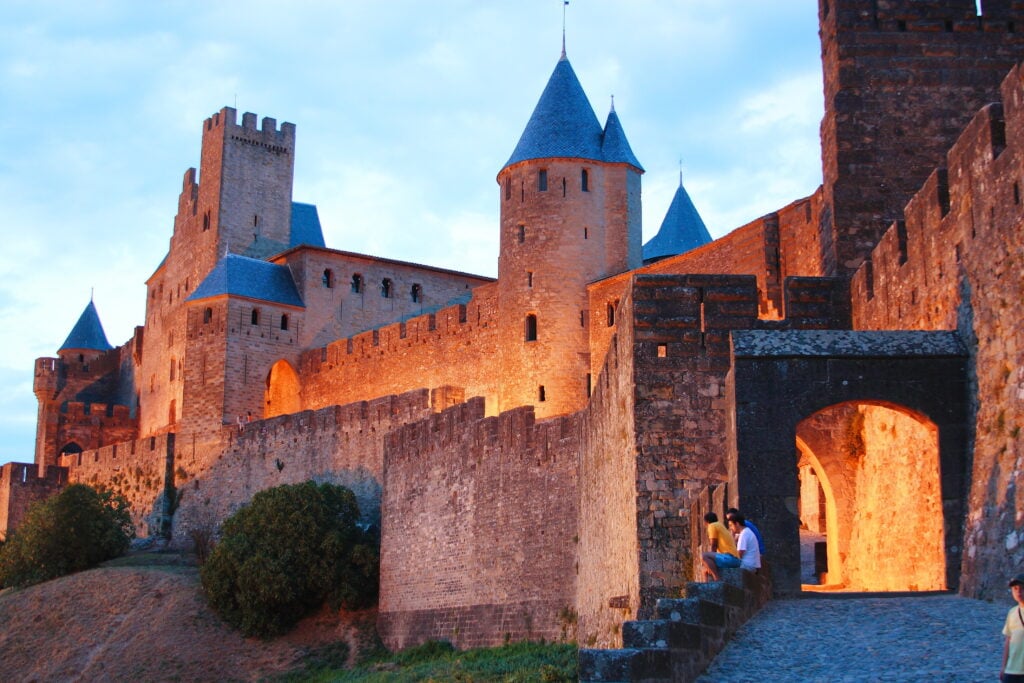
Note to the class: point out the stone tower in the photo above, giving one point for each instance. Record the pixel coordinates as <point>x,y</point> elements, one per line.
<point>240,204</point>
<point>902,79</point>
<point>570,214</point>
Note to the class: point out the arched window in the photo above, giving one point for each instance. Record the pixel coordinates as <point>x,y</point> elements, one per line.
<point>585,181</point>
<point>531,327</point>
<point>254,319</point>
<point>385,288</point>
<point>284,321</point>
<point>207,316</point>
<point>357,283</point>
<point>611,314</point>
<point>417,294</point>
<point>542,180</point>
<point>328,278</point>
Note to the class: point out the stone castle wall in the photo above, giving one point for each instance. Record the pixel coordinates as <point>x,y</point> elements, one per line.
<point>955,261</point>
<point>20,486</point>
<point>137,470</point>
<point>338,444</point>
<point>479,528</point>
<point>902,78</point>
<point>454,346</point>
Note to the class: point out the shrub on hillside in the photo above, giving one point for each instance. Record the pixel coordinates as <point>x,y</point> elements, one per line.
<point>286,553</point>
<point>74,530</point>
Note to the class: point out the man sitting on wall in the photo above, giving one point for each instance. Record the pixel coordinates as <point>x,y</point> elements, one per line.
<point>723,548</point>
<point>746,542</point>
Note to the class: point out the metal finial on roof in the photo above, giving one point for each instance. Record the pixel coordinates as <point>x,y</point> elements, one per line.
<point>92,293</point>
<point>565,3</point>
<point>613,102</point>
<point>680,171</point>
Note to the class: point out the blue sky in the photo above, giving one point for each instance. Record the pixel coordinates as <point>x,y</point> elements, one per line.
<point>405,112</point>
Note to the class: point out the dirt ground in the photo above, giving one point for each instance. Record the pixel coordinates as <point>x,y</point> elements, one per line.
<point>148,622</point>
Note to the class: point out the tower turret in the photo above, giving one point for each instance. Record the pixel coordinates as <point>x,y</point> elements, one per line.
<point>570,214</point>
<point>682,230</point>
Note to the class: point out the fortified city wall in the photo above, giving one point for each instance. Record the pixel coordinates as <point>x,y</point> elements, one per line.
<point>455,346</point>
<point>480,528</point>
<point>21,485</point>
<point>955,262</point>
<point>139,470</point>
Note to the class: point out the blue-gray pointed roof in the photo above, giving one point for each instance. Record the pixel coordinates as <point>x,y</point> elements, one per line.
<point>563,124</point>
<point>237,275</point>
<point>682,230</point>
<point>87,333</point>
<point>615,148</point>
<point>306,226</point>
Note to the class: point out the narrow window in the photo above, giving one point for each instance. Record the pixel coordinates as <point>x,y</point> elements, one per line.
<point>586,233</point>
<point>357,283</point>
<point>542,180</point>
<point>563,187</point>
<point>611,314</point>
<point>173,368</point>
<point>522,232</point>
<point>255,219</point>
<point>531,327</point>
<point>385,288</point>
<point>284,321</point>
<point>254,319</point>
<point>529,278</point>
<point>662,350</point>
<point>417,293</point>
<point>541,396</point>
<point>508,188</point>
<point>1016,193</point>
<point>585,181</point>
<point>207,316</point>
<point>590,385</point>
<point>328,278</point>
<point>583,318</point>
<point>206,221</point>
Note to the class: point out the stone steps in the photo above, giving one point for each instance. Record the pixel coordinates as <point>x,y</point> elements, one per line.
<point>686,635</point>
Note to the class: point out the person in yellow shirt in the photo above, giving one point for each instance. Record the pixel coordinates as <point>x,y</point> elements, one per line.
<point>1012,670</point>
<point>723,551</point>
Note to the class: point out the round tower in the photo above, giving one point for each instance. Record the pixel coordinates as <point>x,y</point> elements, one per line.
<point>570,214</point>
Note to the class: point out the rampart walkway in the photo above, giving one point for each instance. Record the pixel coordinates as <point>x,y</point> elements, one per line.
<point>840,638</point>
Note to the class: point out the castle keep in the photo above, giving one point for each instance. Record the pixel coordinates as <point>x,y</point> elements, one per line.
<point>537,449</point>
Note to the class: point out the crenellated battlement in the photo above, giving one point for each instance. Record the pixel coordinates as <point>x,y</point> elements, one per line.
<point>933,16</point>
<point>268,135</point>
<point>75,411</point>
<point>913,277</point>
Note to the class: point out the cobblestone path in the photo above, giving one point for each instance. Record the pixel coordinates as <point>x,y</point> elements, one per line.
<point>927,638</point>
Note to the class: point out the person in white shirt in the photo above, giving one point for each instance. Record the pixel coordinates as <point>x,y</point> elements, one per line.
<point>746,543</point>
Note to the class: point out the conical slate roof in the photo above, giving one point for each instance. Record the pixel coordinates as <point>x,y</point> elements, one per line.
<point>87,333</point>
<point>615,147</point>
<point>563,124</point>
<point>237,275</point>
<point>682,230</point>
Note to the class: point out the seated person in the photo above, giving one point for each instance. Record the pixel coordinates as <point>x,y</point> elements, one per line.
<point>746,543</point>
<point>723,548</point>
<point>750,525</point>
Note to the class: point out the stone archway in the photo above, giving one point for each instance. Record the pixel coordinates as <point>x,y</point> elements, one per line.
<point>780,378</point>
<point>282,396</point>
<point>877,468</point>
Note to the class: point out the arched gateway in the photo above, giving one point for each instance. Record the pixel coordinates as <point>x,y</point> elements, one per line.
<point>908,392</point>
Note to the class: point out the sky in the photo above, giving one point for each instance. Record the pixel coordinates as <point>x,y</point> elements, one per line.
<point>405,112</point>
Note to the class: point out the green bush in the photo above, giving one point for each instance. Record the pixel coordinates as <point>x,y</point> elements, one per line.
<point>286,553</point>
<point>74,530</point>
